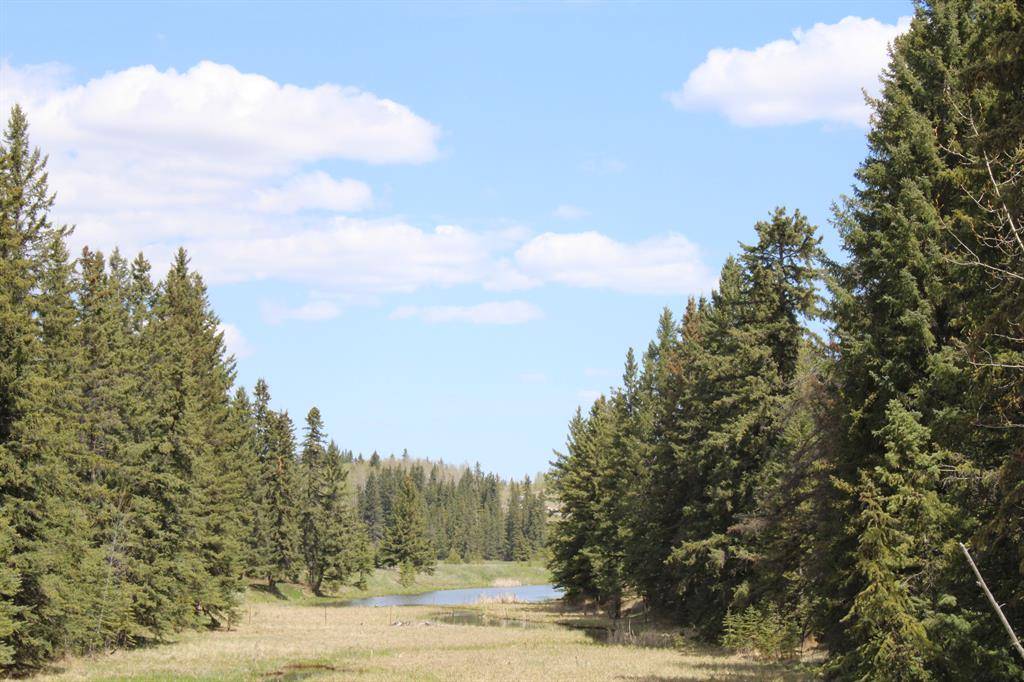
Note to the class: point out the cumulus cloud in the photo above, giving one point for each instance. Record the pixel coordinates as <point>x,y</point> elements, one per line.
<point>662,265</point>
<point>234,340</point>
<point>492,312</point>
<point>226,164</point>
<point>316,190</point>
<point>569,212</point>
<point>359,256</point>
<point>352,255</point>
<point>141,156</point>
<point>218,112</point>
<point>818,75</point>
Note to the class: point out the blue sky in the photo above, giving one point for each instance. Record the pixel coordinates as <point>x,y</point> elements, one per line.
<point>443,224</point>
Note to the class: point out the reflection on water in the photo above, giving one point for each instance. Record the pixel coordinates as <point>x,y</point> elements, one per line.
<point>523,593</point>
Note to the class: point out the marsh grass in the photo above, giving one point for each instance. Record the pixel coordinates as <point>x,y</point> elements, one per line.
<point>287,641</point>
<point>279,639</point>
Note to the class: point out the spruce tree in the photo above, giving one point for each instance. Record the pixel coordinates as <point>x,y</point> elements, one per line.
<point>37,492</point>
<point>8,589</point>
<point>572,529</point>
<point>346,554</point>
<point>313,515</point>
<point>903,307</point>
<point>281,534</point>
<point>406,542</point>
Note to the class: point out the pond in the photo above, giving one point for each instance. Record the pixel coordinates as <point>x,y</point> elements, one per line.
<point>472,595</point>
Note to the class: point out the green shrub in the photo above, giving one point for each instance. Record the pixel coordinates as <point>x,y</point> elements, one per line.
<point>764,631</point>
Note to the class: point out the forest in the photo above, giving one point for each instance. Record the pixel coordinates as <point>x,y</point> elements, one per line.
<point>791,464</point>
<point>798,455</point>
<point>141,490</point>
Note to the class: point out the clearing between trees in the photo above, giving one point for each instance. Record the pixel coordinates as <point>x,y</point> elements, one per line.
<point>297,640</point>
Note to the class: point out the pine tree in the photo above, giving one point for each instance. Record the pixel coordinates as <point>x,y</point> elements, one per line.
<point>516,548</point>
<point>372,508</point>
<point>36,485</point>
<point>281,534</point>
<point>406,542</point>
<point>335,543</point>
<point>345,544</point>
<point>660,490</point>
<point>103,398</point>
<point>313,516</point>
<point>8,589</point>
<point>572,528</point>
<point>902,308</point>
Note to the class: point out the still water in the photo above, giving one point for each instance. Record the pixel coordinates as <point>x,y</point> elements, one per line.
<point>523,593</point>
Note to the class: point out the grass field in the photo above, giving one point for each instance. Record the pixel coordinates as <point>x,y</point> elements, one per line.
<point>282,639</point>
<point>445,577</point>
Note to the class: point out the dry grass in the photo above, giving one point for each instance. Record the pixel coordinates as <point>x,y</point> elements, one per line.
<point>506,582</point>
<point>288,642</point>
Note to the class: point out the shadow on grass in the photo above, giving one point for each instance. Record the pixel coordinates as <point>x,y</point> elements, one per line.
<point>642,629</point>
<point>273,591</point>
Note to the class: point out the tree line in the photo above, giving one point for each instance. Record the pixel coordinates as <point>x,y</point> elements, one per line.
<point>801,451</point>
<point>467,515</point>
<point>139,489</point>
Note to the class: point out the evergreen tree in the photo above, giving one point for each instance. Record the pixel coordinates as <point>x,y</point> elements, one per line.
<point>572,529</point>
<point>37,492</point>
<point>346,553</point>
<point>406,542</point>
<point>903,308</point>
<point>515,536</point>
<point>281,534</point>
<point>8,589</point>
<point>372,508</point>
<point>334,542</point>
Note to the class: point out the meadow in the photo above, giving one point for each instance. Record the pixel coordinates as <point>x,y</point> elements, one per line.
<point>282,638</point>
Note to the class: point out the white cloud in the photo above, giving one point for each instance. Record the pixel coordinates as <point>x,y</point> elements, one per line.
<point>216,112</point>
<point>569,212</point>
<point>816,76</point>
<point>225,163</point>
<point>587,396</point>
<point>144,158</point>
<point>316,190</point>
<point>351,255</point>
<point>662,265</point>
<point>234,340</point>
<point>317,310</point>
<point>493,312</point>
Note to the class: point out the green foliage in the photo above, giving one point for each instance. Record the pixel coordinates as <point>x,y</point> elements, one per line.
<point>767,467</point>
<point>335,544</point>
<point>406,543</point>
<point>470,515</point>
<point>765,631</point>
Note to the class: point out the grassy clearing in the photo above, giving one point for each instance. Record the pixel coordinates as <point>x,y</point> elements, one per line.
<point>445,577</point>
<point>294,642</point>
<point>299,637</point>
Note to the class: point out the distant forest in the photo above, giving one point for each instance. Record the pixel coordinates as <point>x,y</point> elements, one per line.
<point>767,484</point>
<point>469,515</point>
